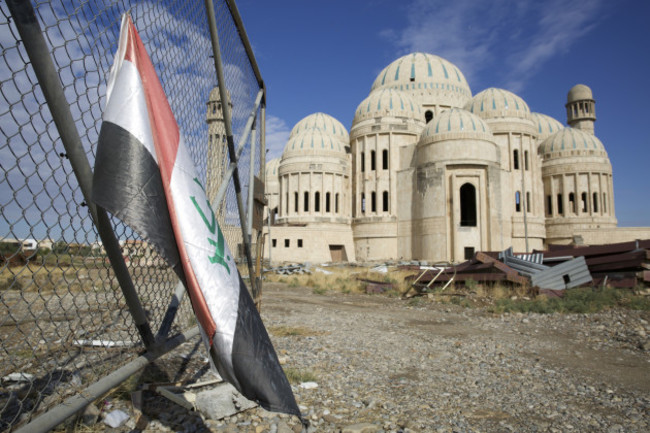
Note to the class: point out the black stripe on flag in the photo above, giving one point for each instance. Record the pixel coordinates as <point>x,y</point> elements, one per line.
<point>127,183</point>
<point>255,362</point>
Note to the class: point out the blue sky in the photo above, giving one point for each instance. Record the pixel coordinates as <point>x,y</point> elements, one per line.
<point>324,55</point>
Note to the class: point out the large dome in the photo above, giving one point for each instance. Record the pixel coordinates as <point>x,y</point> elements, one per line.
<point>570,139</point>
<point>429,78</point>
<point>545,125</point>
<point>456,123</point>
<point>494,103</point>
<point>387,103</point>
<point>325,123</point>
<point>314,142</point>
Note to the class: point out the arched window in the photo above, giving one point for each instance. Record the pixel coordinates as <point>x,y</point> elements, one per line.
<point>549,205</point>
<point>428,115</point>
<point>595,202</point>
<point>385,201</point>
<point>528,201</point>
<point>373,160</point>
<point>295,202</point>
<point>327,202</point>
<point>363,202</point>
<point>373,201</point>
<point>286,204</point>
<point>572,202</point>
<point>515,159</point>
<point>384,159</point>
<point>306,201</point>
<point>317,201</point>
<point>518,201</point>
<point>468,205</point>
<point>560,207</point>
<point>526,160</point>
<point>363,162</point>
<point>336,203</point>
<point>583,196</point>
<point>604,202</point>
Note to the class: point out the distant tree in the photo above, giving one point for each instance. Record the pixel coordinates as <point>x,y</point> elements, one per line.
<point>60,247</point>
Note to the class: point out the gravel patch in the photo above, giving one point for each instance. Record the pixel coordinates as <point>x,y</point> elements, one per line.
<point>379,364</point>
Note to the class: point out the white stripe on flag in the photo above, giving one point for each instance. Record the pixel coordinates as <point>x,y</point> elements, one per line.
<point>217,277</point>
<point>127,106</point>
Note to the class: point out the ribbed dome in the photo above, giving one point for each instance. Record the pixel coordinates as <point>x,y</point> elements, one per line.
<point>494,103</point>
<point>431,79</point>
<point>387,103</point>
<point>545,125</point>
<point>579,92</point>
<point>456,123</point>
<point>568,139</point>
<point>272,168</point>
<point>314,142</point>
<point>325,123</point>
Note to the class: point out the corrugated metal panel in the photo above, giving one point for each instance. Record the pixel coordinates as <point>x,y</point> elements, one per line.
<point>533,257</point>
<point>523,266</point>
<point>564,276</point>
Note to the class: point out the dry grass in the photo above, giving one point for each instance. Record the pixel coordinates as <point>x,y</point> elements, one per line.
<point>342,279</point>
<point>293,331</point>
<point>46,278</point>
<point>297,376</point>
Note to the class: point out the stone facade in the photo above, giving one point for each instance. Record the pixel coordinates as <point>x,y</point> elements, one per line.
<point>430,172</point>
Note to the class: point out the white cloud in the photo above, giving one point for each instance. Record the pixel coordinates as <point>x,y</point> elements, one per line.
<point>513,36</point>
<point>83,50</point>
<point>277,134</point>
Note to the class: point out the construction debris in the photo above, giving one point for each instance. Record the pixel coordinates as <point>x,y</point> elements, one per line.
<point>624,264</point>
<point>292,268</point>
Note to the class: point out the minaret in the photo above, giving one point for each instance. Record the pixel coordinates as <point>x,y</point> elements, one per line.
<point>218,158</point>
<point>581,108</point>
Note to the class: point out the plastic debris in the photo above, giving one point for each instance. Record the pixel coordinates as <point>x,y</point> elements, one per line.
<point>116,418</point>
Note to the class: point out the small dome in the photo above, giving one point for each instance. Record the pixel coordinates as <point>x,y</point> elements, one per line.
<point>272,168</point>
<point>314,142</point>
<point>492,103</point>
<point>456,123</point>
<point>545,125</point>
<point>568,139</point>
<point>579,92</point>
<point>387,103</point>
<point>430,79</point>
<point>325,123</point>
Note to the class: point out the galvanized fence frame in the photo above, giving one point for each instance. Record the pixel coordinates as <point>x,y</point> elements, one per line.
<point>78,311</point>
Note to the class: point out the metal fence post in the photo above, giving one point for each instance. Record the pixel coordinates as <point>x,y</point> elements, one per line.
<point>48,79</point>
<point>216,52</point>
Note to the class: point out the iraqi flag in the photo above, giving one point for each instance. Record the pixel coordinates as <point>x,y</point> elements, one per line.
<point>145,176</point>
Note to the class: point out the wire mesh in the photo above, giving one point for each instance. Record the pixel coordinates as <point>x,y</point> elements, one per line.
<point>64,323</point>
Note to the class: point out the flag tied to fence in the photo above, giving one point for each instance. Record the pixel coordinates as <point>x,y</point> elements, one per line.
<point>145,176</point>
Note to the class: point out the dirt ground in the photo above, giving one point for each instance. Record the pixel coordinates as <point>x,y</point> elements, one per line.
<point>568,349</point>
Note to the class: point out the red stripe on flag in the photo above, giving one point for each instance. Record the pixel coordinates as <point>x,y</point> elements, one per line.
<point>166,138</point>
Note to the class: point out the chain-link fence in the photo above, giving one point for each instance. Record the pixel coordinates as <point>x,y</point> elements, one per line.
<point>64,320</point>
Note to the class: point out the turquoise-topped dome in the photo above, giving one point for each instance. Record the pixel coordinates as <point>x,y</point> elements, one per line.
<point>272,168</point>
<point>456,123</point>
<point>494,103</point>
<point>545,125</point>
<point>568,139</point>
<point>429,78</point>
<point>387,103</point>
<point>314,141</point>
<point>323,122</point>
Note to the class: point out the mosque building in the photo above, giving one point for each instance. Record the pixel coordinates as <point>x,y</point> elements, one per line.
<point>430,172</point>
